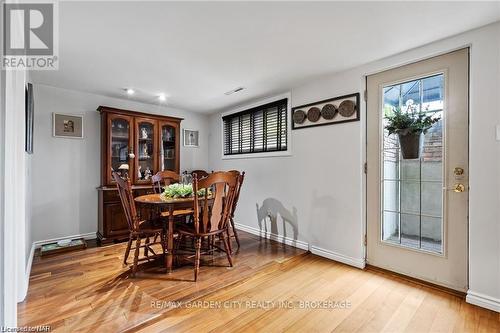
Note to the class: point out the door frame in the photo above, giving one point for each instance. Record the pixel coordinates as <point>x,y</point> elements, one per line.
<point>365,150</point>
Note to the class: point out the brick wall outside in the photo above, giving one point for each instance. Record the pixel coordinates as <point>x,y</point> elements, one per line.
<point>433,144</point>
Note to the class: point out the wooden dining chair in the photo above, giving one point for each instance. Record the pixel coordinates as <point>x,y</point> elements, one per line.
<point>241,177</point>
<point>211,213</point>
<point>162,179</point>
<point>199,173</point>
<point>139,229</point>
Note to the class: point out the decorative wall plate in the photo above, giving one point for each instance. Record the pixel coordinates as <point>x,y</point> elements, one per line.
<point>299,116</point>
<point>335,110</point>
<point>347,108</point>
<point>313,114</point>
<point>328,111</point>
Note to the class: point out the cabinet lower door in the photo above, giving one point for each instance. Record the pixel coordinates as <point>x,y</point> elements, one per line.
<point>116,222</point>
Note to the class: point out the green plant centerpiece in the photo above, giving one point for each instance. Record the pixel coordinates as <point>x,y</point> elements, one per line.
<point>177,190</point>
<point>410,127</point>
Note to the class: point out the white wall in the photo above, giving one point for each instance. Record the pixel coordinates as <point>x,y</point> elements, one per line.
<point>66,172</point>
<point>323,180</point>
<point>15,218</point>
<point>2,189</point>
<point>28,246</point>
<point>4,302</point>
<point>28,210</point>
<point>28,249</point>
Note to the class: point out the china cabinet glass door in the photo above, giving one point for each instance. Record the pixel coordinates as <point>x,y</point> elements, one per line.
<point>120,145</point>
<point>145,150</point>
<point>168,146</point>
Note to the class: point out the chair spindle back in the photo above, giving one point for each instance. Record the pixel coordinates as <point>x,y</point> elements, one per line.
<point>212,212</point>
<point>199,173</point>
<point>127,198</point>
<point>163,179</point>
<point>241,177</point>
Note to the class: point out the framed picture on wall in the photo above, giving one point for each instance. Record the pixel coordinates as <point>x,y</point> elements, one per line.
<point>67,125</point>
<point>191,138</point>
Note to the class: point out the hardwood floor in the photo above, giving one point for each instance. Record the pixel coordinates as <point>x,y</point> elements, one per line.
<point>91,289</point>
<point>271,288</point>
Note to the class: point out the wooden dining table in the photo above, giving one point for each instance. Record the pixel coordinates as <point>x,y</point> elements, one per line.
<point>157,203</point>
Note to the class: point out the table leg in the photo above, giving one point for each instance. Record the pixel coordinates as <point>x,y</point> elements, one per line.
<point>170,240</point>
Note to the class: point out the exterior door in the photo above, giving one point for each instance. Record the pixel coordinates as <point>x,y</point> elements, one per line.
<point>417,209</point>
<point>146,150</point>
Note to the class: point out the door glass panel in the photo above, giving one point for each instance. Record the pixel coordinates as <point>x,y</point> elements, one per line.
<point>167,149</point>
<point>413,188</point>
<point>391,196</point>
<point>119,143</point>
<point>410,197</point>
<point>146,151</point>
<point>390,231</point>
<point>410,230</point>
<point>431,233</point>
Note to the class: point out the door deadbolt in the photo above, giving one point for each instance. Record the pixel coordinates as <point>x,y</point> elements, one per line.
<point>458,171</point>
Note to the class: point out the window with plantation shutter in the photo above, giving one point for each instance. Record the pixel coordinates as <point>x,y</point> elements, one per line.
<point>257,130</point>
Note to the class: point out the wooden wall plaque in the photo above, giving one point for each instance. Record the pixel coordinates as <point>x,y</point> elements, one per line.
<point>335,110</point>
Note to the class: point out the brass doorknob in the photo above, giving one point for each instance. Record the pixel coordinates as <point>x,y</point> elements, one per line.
<point>458,188</point>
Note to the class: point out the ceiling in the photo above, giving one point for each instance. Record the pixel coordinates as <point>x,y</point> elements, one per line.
<point>194,52</point>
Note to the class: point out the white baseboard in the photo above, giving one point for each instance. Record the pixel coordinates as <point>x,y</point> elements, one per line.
<point>483,300</point>
<point>278,238</point>
<point>23,289</point>
<point>90,235</point>
<point>359,263</point>
<point>356,262</point>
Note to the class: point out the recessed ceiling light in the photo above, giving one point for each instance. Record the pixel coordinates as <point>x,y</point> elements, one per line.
<point>230,92</point>
<point>130,91</point>
<point>162,97</point>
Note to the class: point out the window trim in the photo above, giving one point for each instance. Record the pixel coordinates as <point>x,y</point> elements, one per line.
<point>282,153</point>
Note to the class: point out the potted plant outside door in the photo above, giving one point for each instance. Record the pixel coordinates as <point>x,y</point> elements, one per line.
<point>410,126</point>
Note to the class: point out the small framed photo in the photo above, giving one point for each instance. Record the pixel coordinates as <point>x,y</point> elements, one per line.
<point>191,138</point>
<point>67,126</point>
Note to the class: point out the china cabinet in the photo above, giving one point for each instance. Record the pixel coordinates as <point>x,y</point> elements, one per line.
<point>139,144</point>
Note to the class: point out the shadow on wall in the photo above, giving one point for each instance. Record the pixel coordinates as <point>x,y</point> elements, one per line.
<point>271,208</point>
